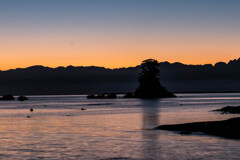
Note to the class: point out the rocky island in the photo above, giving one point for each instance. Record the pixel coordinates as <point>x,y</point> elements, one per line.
<point>149,85</point>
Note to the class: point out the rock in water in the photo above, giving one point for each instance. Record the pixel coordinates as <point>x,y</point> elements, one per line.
<point>22,98</point>
<point>8,97</point>
<point>129,95</point>
<point>91,96</point>
<point>112,96</point>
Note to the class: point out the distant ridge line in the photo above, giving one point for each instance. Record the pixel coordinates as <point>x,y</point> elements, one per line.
<point>92,66</point>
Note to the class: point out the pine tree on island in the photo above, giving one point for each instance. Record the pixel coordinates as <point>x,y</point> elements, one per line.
<point>149,85</point>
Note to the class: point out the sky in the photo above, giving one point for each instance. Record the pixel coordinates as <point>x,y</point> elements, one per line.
<point>117,33</point>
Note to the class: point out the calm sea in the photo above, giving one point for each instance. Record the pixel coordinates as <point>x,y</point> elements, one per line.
<point>113,128</point>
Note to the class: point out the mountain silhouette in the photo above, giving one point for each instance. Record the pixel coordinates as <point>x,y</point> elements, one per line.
<point>176,77</point>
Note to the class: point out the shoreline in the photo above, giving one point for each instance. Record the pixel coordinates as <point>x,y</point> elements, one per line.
<point>121,93</point>
<point>226,128</point>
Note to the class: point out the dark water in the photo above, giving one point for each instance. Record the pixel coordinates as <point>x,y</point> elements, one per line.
<point>112,129</point>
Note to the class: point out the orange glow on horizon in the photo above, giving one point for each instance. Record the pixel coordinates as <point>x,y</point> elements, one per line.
<point>115,50</point>
<point>119,62</point>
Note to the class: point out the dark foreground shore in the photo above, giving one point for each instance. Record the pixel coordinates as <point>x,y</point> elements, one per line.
<point>229,110</point>
<point>227,128</point>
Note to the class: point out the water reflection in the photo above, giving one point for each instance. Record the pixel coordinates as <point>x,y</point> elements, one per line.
<point>150,119</point>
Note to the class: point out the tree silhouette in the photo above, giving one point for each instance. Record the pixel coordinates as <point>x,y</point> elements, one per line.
<point>149,85</point>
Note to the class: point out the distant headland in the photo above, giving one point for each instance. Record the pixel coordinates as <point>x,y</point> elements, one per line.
<point>176,77</point>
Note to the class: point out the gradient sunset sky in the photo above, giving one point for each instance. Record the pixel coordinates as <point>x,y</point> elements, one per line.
<point>117,33</point>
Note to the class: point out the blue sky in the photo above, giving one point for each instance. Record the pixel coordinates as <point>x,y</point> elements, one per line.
<point>99,22</point>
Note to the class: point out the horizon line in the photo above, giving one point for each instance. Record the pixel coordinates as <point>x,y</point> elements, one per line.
<point>52,67</point>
